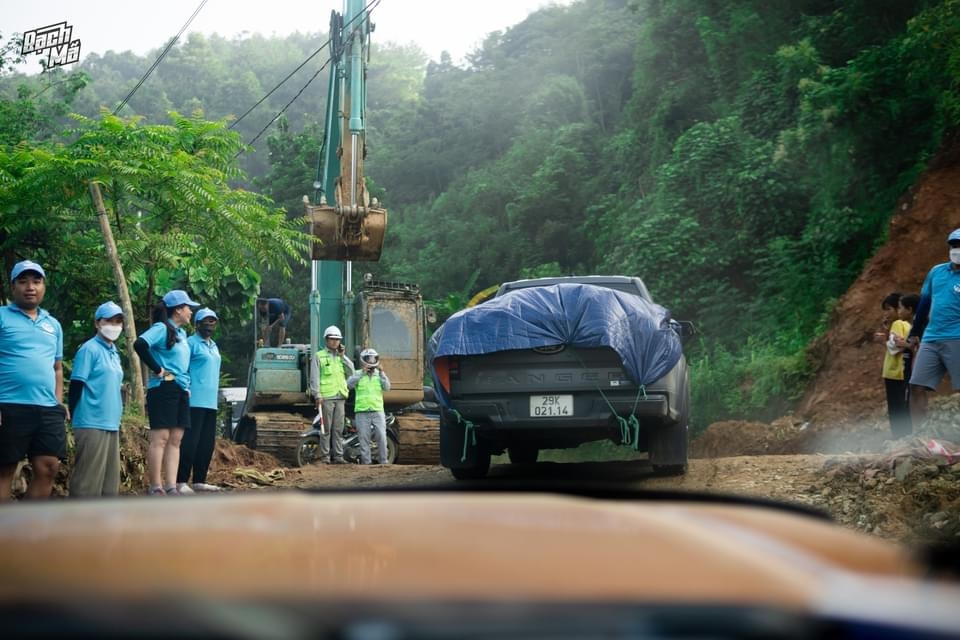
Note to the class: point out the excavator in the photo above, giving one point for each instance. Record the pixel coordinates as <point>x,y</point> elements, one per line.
<point>347,225</point>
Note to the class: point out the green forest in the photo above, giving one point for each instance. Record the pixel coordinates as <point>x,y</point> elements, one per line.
<point>742,157</point>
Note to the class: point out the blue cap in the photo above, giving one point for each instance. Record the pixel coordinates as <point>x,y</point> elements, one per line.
<point>108,309</point>
<point>26,265</point>
<point>178,297</point>
<point>203,314</point>
<point>954,235</point>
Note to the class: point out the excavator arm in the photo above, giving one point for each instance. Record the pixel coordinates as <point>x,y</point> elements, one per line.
<point>346,223</point>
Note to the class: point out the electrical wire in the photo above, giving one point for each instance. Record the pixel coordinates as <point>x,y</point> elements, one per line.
<point>159,58</point>
<point>366,11</point>
<point>287,106</point>
<point>270,93</point>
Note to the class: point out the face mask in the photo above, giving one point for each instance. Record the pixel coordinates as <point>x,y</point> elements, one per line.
<point>111,331</point>
<point>955,255</point>
<point>204,330</point>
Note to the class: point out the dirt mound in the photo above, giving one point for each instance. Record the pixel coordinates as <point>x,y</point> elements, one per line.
<point>848,385</point>
<point>234,465</point>
<point>740,438</point>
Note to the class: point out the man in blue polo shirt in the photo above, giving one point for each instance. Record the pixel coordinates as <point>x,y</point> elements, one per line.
<point>31,384</point>
<point>937,319</point>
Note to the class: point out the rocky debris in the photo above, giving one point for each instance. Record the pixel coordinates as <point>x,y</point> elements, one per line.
<point>910,491</point>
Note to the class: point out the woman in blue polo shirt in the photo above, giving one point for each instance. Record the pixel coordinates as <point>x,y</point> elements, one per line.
<point>96,407</point>
<point>200,439</point>
<point>163,348</point>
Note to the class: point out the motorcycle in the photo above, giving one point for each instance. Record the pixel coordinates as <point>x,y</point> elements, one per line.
<point>309,450</point>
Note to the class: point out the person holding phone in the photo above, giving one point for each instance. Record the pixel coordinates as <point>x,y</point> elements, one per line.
<point>329,387</point>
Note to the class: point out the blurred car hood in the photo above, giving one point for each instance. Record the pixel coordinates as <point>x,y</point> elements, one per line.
<point>398,546</point>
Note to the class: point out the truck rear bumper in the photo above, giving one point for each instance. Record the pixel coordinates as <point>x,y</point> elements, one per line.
<point>590,411</point>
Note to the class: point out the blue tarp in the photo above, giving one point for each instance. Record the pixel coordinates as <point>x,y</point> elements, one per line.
<point>579,315</point>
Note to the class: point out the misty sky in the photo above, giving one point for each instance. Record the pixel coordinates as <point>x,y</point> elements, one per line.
<point>457,26</point>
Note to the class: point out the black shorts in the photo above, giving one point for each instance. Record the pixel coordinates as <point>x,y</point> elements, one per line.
<point>168,405</point>
<point>31,430</point>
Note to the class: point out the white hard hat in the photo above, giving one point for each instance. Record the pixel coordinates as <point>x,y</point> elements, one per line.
<point>333,332</point>
<point>370,357</point>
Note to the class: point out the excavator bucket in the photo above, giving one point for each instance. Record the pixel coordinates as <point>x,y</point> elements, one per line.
<point>343,233</point>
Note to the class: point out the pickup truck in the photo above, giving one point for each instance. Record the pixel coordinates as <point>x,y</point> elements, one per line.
<point>553,363</point>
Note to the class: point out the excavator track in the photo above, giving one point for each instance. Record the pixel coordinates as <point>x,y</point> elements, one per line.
<point>278,433</point>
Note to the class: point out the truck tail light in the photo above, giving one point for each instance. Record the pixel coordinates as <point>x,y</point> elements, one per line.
<point>447,369</point>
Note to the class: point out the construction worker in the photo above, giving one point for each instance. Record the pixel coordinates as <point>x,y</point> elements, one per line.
<point>368,405</point>
<point>329,387</point>
<point>274,314</point>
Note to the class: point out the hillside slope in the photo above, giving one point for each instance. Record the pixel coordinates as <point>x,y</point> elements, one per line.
<point>848,386</point>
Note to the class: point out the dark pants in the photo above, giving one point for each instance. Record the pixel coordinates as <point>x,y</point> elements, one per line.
<point>196,450</point>
<point>898,407</point>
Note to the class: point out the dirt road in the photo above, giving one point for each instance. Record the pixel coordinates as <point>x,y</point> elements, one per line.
<point>904,498</point>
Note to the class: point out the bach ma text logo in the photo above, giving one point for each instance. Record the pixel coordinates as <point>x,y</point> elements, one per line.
<point>56,41</point>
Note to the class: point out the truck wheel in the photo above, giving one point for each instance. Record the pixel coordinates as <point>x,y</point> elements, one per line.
<point>523,454</point>
<point>452,434</point>
<point>309,450</point>
<point>667,470</point>
<point>479,465</point>
<point>668,443</point>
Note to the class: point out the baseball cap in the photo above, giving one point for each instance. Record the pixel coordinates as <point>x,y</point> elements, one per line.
<point>108,309</point>
<point>26,265</point>
<point>178,297</point>
<point>203,314</point>
<point>954,235</point>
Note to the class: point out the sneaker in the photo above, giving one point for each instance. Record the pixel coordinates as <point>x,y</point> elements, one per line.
<point>183,488</point>
<point>203,486</point>
<point>156,491</point>
<point>338,461</point>
<point>171,491</point>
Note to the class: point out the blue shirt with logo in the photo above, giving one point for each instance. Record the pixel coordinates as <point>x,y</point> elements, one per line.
<point>942,287</point>
<point>97,366</point>
<point>204,372</point>
<point>28,350</point>
<point>175,360</point>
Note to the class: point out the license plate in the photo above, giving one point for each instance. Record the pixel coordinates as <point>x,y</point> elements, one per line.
<point>551,406</point>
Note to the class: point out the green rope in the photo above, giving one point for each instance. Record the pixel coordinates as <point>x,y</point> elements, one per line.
<point>469,433</point>
<point>627,425</point>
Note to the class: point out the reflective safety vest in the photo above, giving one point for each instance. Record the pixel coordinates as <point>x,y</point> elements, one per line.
<point>369,394</point>
<point>333,380</point>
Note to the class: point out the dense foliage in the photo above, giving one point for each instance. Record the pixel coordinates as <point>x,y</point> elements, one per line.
<point>742,156</point>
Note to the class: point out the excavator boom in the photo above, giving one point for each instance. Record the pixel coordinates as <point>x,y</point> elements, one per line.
<point>346,224</point>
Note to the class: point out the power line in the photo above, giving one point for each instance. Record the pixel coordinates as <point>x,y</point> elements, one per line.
<point>159,58</point>
<point>279,84</point>
<point>292,100</point>
<point>366,11</point>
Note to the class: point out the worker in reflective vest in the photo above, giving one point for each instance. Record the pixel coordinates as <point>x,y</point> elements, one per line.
<point>368,405</point>
<point>333,368</point>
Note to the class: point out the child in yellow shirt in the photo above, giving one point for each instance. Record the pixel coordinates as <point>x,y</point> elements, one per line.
<point>898,408</point>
